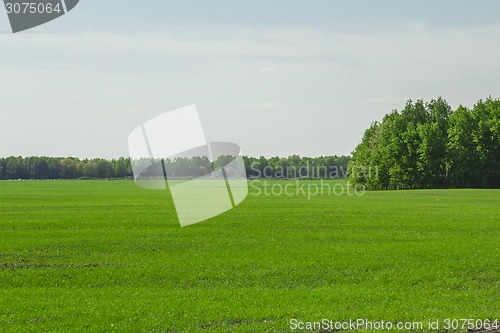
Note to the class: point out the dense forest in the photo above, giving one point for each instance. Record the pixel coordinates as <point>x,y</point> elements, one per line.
<point>428,145</point>
<point>42,167</point>
<point>75,168</point>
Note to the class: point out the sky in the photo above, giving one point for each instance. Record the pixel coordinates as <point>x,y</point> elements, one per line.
<point>275,77</point>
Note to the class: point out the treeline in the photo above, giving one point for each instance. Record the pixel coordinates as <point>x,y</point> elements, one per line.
<point>323,167</point>
<point>42,167</point>
<point>74,168</point>
<point>428,145</point>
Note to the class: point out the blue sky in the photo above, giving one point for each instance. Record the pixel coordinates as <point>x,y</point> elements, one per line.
<point>348,16</point>
<point>277,78</point>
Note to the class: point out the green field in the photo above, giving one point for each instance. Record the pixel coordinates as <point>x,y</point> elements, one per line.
<point>103,256</point>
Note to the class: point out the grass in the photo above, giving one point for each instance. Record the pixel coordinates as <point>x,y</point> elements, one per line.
<point>104,256</point>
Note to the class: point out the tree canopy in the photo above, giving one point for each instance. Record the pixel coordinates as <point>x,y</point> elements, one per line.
<point>428,145</point>
<point>74,168</point>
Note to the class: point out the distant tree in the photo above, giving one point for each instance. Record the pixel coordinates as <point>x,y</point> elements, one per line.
<point>487,140</point>
<point>121,167</point>
<point>3,168</point>
<point>101,168</point>
<point>68,167</point>
<point>432,164</point>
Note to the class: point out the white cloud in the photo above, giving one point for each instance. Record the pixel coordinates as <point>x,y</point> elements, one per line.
<point>267,70</point>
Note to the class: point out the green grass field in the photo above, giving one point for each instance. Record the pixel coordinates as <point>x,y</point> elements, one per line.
<point>102,256</point>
